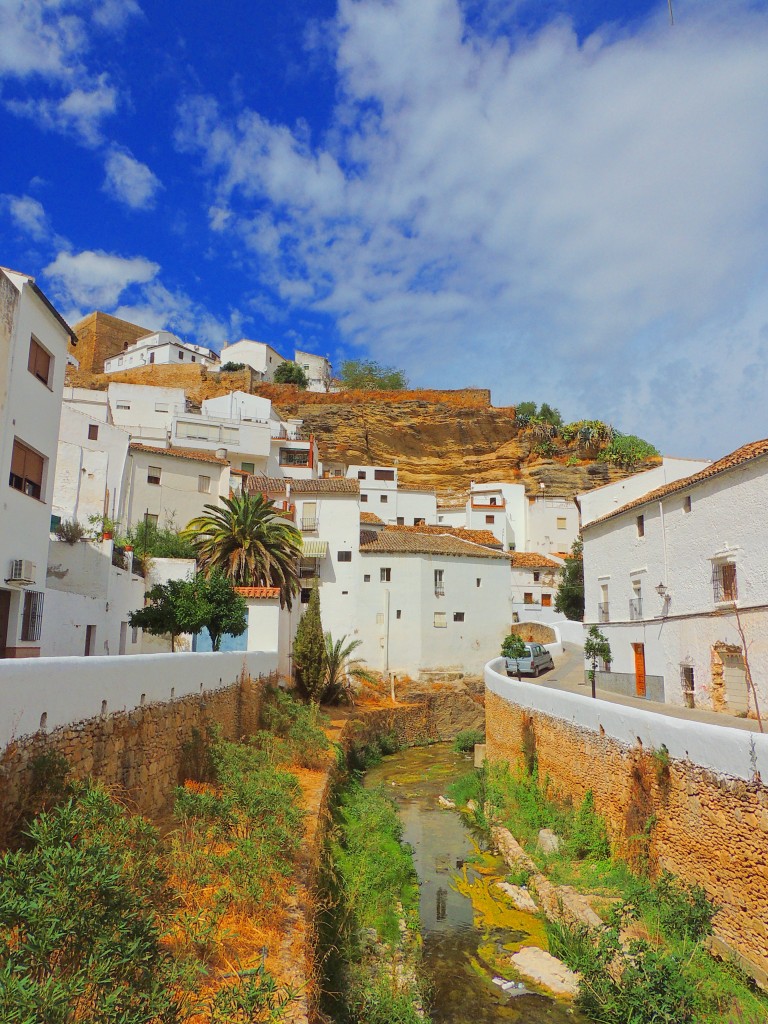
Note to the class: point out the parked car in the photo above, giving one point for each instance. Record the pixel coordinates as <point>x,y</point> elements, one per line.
<point>537,659</point>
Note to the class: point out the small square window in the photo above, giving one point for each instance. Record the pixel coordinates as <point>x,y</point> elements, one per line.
<point>490,519</point>
<point>527,598</point>
<point>153,474</point>
<point>150,520</point>
<point>640,526</point>
<point>367,578</point>
<point>687,503</point>
<point>93,432</point>
<point>458,616</point>
<point>536,577</point>
<point>562,523</point>
<point>440,620</point>
<point>305,592</point>
<point>386,575</point>
<point>204,484</point>
<point>248,467</point>
<point>344,556</point>
<point>361,474</point>
<point>401,520</point>
<point>398,614</point>
<point>363,497</point>
<point>383,499</point>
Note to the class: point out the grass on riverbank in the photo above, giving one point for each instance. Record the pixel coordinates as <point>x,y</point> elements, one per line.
<point>101,920</point>
<point>650,965</point>
<point>370,927</point>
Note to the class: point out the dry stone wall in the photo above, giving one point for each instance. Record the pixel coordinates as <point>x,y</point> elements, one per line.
<point>140,752</point>
<point>670,814</point>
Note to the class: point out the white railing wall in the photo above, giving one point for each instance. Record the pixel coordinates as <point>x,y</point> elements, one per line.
<point>45,693</point>
<point>720,748</point>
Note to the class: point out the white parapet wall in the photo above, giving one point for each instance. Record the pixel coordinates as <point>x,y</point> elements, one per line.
<point>739,753</point>
<point>45,693</point>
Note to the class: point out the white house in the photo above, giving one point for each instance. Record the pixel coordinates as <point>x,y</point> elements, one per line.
<point>500,508</point>
<point>534,581</point>
<point>89,596</point>
<point>145,411</point>
<point>160,347</point>
<point>90,468</point>
<point>170,486</point>
<point>677,579</point>
<point>602,500</point>
<point>34,342</point>
<point>257,354</point>
<point>429,602</point>
<point>383,494</point>
<point>317,368</point>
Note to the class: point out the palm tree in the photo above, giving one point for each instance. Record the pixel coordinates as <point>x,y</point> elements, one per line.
<point>249,542</point>
<point>339,667</point>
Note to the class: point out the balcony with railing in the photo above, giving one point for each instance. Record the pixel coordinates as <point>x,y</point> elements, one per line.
<point>603,612</point>
<point>439,590</point>
<point>309,524</point>
<point>635,609</point>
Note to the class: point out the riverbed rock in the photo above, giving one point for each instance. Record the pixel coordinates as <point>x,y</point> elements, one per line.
<point>445,802</point>
<point>520,896</point>
<point>546,971</point>
<point>548,841</point>
<point>563,902</point>
<point>472,806</point>
<point>509,848</point>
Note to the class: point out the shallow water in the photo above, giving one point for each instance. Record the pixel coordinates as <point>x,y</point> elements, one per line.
<point>468,929</point>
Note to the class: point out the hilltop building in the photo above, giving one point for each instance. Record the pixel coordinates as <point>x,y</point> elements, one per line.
<point>264,360</point>
<point>160,347</point>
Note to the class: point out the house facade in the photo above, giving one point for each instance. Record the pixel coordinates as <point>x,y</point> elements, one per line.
<point>677,580</point>
<point>170,486</point>
<point>160,347</point>
<point>34,343</point>
<point>535,579</point>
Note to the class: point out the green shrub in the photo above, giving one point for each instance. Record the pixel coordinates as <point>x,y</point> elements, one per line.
<point>519,875</point>
<point>587,834</point>
<point>300,725</point>
<point>80,920</point>
<point>231,367</point>
<point>466,740</point>
<point>683,910</point>
<point>70,531</point>
<point>468,787</point>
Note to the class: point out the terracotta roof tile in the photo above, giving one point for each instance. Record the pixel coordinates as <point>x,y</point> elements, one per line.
<point>258,591</point>
<point>484,537</point>
<point>194,454</point>
<point>747,452</point>
<point>402,542</point>
<point>325,485</point>
<point>532,560</point>
<point>371,518</point>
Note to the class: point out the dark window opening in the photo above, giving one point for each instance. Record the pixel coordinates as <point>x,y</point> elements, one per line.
<point>93,432</point>
<point>384,474</point>
<point>344,556</point>
<point>39,361</point>
<point>32,617</point>
<point>26,470</point>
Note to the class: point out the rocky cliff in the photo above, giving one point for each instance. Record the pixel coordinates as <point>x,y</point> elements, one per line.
<point>440,439</point>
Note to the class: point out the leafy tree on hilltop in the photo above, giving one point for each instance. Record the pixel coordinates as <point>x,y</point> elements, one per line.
<point>249,542</point>
<point>291,373</point>
<point>367,375</point>
<point>309,652</point>
<point>545,413</point>
<point>569,599</point>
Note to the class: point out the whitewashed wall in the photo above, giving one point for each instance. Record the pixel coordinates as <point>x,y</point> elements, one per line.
<point>727,751</point>
<point>69,690</point>
<point>602,500</point>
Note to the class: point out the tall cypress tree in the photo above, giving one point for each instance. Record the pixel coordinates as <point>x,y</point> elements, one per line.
<point>309,659</point>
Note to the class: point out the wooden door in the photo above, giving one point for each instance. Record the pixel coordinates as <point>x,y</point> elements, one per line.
<point>5,615</point>
<point>639,650</point>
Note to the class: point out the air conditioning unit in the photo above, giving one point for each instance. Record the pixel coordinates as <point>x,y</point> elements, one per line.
<point>22,572</point>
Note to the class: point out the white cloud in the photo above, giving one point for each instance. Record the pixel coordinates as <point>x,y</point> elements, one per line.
<point>159,308</point>
<point>583,217</point>
<point>130,181</point>
<point>28,215</point>
<point>97,279</point>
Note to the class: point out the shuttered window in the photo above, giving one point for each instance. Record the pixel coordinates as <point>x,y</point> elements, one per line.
<point>26,470</point>
<point>39,361</point>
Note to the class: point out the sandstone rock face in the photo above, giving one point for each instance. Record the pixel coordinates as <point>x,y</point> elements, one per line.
<point>441,439</point>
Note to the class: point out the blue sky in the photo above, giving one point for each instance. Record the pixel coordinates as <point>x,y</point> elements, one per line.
<point>563,201</point>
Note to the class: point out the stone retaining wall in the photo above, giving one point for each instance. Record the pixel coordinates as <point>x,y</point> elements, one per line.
<point>702,826</point>
<point>140,752</point>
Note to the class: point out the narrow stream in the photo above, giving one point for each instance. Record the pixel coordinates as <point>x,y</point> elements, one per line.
<point>469,930</point>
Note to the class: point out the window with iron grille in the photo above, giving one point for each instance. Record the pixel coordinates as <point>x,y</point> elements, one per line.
<point>294,456</point>
<point>32,618</point>
<point>344,556</point>
<point>458,616</point>
<point>687,684</point>
<point>724,581</point>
